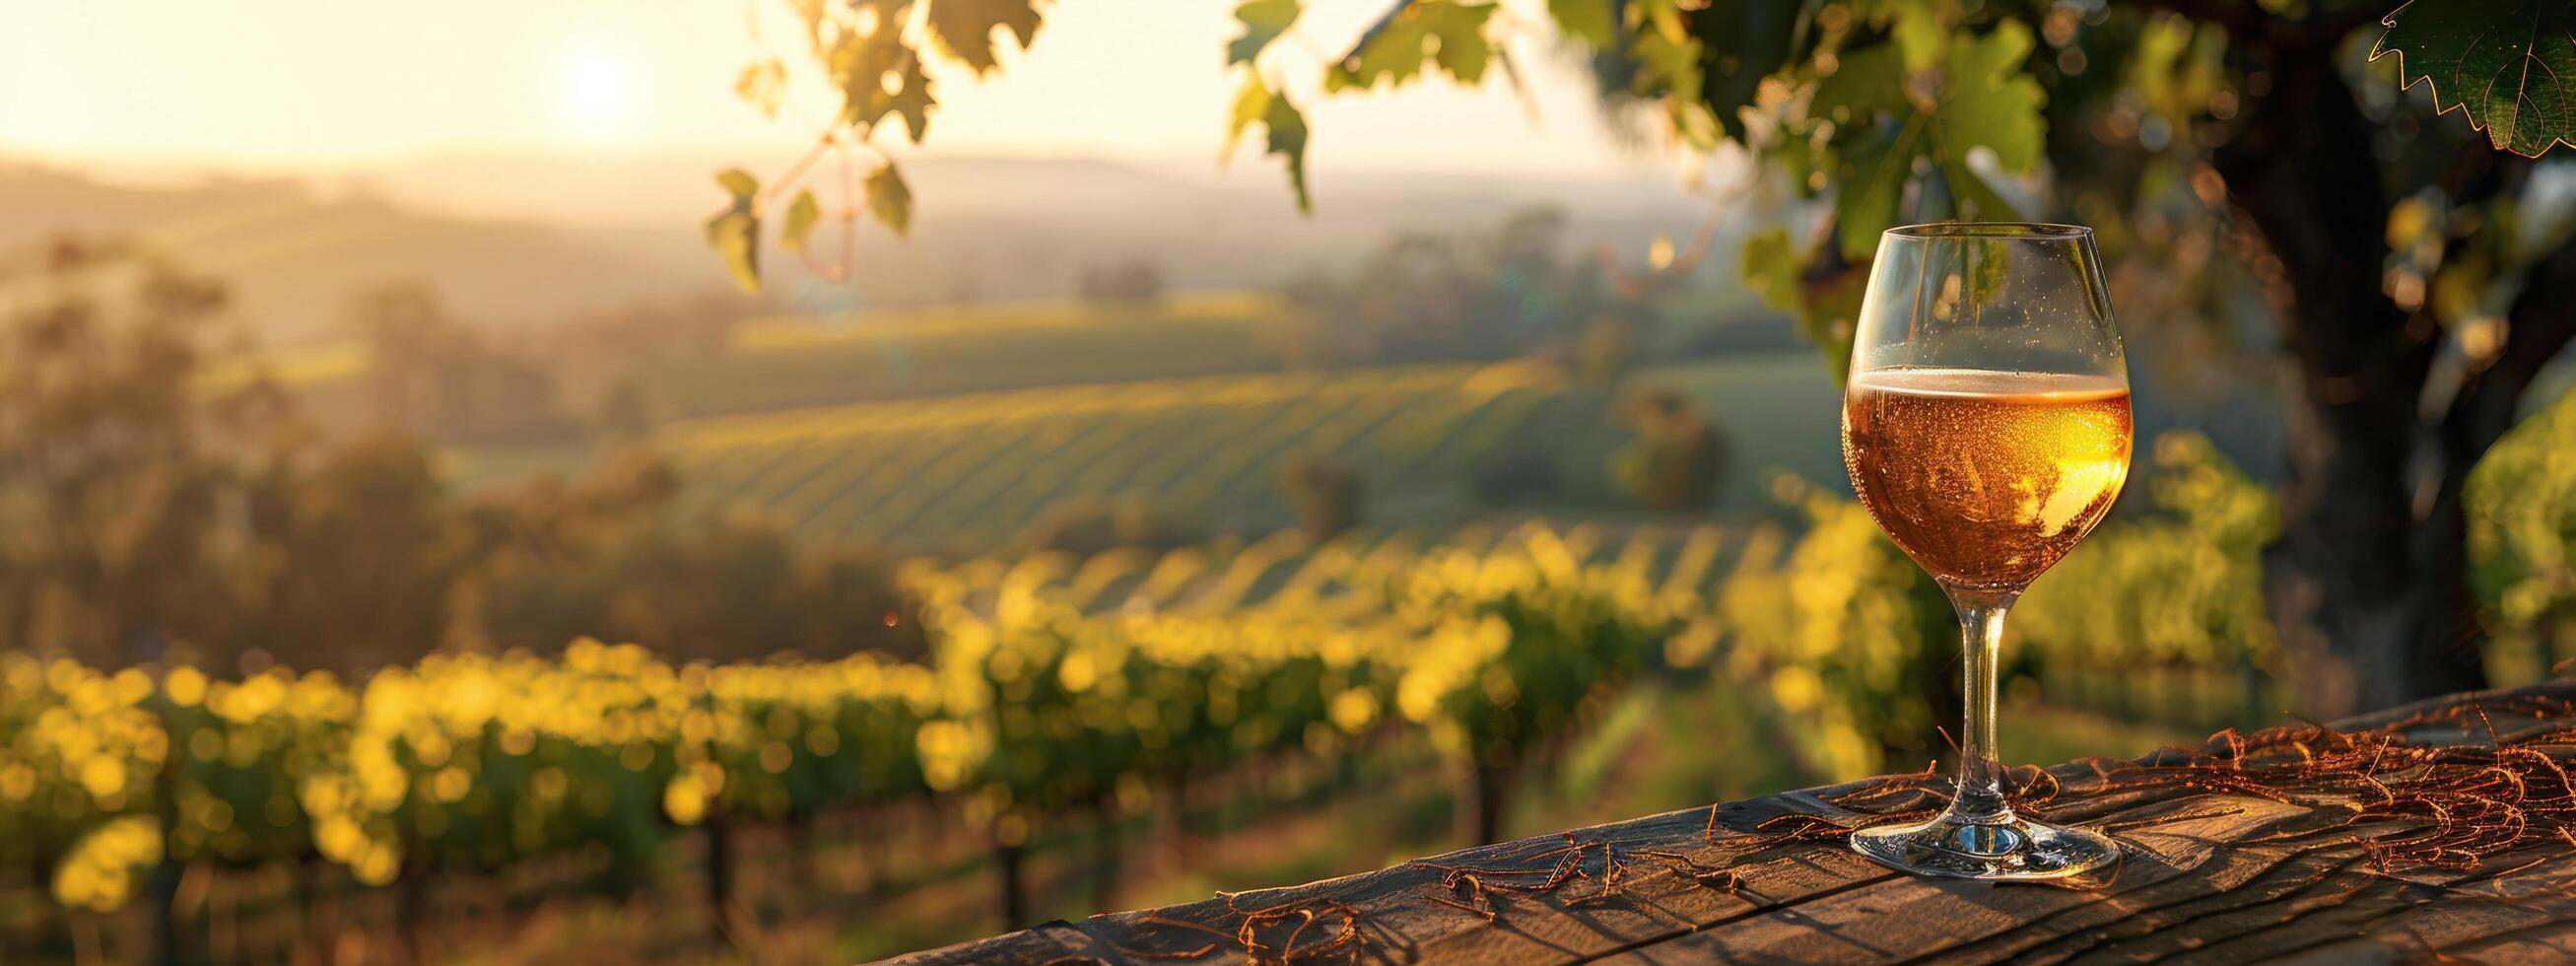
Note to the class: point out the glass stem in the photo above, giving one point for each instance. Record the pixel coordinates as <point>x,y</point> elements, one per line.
<point>1980,796</point>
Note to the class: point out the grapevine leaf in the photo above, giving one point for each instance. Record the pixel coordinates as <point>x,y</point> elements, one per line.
<point>1759,36</point>
<point>1770,266</point>
<point>1865,84</point>
<point>1288,140</point>
<point>1446,33</point>
<point>889,200</point>
<point>763,84</point>
<point>2510,65</point>
<point>964,28</point>
<point>1250,106</point>
<point>1591,21</point>
<point>1668,60</point>
<point>912,100</point>
<point>735,232</point>
<point>802,213</point>
<point>1971,197</point>
<point>1263,22</point>
<point>1874,187</point>
<point>1987,100</point>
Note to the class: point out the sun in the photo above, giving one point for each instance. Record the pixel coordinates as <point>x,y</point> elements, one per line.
<point>597,90</point>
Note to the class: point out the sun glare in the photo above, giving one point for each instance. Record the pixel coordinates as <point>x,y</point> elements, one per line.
<point>598,90</point>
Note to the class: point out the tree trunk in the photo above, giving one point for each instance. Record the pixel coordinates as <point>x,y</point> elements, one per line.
<point>2368,594</point>
<point>1483,799</point>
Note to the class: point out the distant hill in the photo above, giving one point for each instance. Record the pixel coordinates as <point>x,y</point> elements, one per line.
<point>294,255</point>
<point>517,239</point>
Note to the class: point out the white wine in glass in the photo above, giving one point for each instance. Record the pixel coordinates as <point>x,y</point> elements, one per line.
<point>1986,428</point>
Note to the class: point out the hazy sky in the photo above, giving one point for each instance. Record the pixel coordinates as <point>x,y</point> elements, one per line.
<point>305,84</point>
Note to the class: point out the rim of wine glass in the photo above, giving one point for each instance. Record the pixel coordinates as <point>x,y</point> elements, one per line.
<point>2007,230</point>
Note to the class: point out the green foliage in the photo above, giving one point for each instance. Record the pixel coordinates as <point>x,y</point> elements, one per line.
<point>735,232</point>
<point>2522,524</point>
<point>1444,33</point>
<point>2510,65</point>
<point>1851,635</point>
<point>964,28</point>
<point>872,55</point>
<point>2183,587</point>
<point>1263,22</point>
<point>801,215</point>
<point>889,200</point>
<point>1511,646</point>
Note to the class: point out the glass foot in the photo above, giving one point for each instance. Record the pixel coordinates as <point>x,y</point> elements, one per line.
<point>2007,848</point>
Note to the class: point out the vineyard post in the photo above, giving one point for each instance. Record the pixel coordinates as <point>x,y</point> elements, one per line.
<point>801,861</point>
<point>1105,855</point>
<point>1006,861</point>
<point>164,902</point>
<point>411,904</point>
<point>719,875</point>
<point>1176,818</point>
<point>1480,811</point>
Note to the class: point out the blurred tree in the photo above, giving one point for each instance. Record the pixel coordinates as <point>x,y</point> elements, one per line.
<point>357,560</point>
<point>2415,298</point>
<point>1325,491</point>
<point>1132,283</point>
<point>115,487</point>
<point>1677,460</point>
<point>433,376</point>
<point>1424,296</point>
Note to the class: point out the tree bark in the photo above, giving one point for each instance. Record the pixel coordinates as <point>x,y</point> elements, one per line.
<point>2371,597</point>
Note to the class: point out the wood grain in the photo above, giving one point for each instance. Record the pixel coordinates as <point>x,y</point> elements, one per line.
<point>2207,877</point>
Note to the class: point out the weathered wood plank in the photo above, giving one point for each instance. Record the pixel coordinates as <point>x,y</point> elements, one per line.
<point>2210,875</point>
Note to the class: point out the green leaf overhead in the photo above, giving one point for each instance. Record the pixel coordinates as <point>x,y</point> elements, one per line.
<point>1288,140</point>
<point>1251,105</point>
<point>763,84</point>
<point>964,28</point>
<point>1594,22</point>
<point>1892,122</point>
<point>802,214</point>
<point>1764,33</point>
<point>2510,65</point>
<point>1263,21</point>
<point>1445,33</point>
<point>889,199</point>
<point>735,232</point>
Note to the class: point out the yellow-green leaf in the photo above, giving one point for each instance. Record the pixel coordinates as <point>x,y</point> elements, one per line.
<point>1250,106</point>
<point>889,200</point>
<point>1770,267</point>
<point>1288,140</point>
<point>964,28</point>
<point>734,233</point>
<point>802,213</point>
<point>763,84</point>
<point>1446,33</point>
<point>1590,21</point>
<point>1263,22</point>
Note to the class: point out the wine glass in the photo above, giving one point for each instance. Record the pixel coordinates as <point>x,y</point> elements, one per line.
<point>1986,428</point>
